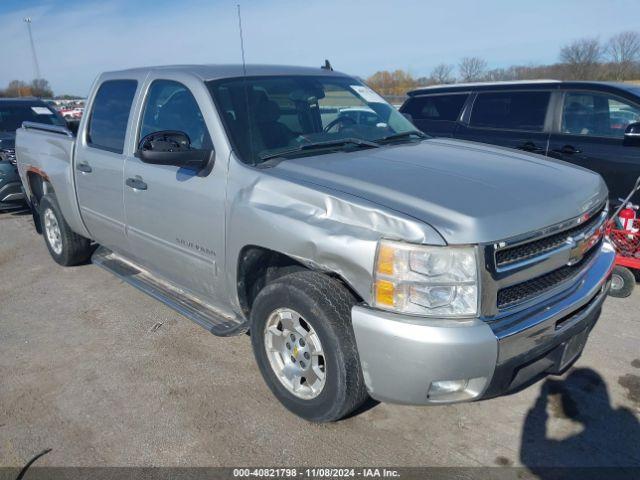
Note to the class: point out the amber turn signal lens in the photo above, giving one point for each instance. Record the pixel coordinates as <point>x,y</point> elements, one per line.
<point>385,293</point>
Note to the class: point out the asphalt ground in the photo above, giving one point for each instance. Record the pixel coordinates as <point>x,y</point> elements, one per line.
<point>106,376</point>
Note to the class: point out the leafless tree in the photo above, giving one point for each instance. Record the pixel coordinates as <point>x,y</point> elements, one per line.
<point>502,74</point>
<point>37,88</point>
<point>442,74</point>
<point>582,58</point>
<point>40,88</point>
<point>623,51</point>
<point>17,88</point>
<point>472,69</point>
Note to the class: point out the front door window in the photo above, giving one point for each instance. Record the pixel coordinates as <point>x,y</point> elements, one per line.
<point>171,106</point>
<point>597,115</point>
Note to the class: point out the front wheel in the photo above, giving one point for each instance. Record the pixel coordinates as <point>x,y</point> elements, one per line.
<point>65,246</point>
<point>622,282</point>
<point>305,347</point>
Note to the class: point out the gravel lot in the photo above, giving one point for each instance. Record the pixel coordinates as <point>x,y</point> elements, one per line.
<point>105,375</point>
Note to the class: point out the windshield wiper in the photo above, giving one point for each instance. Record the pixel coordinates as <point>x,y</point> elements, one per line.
<point>357,142</point>
<point>402,135</point>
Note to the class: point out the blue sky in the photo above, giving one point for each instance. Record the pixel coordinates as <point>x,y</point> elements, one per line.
<point>76,40</point>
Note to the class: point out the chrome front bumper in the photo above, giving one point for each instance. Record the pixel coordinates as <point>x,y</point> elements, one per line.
<point>402,356</point>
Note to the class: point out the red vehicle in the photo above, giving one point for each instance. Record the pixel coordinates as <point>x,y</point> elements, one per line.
<point>623,229</point>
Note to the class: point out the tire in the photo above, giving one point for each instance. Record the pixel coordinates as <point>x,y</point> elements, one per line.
<point>622,282</point>
<point>324,305</point>
<point>66,247</point>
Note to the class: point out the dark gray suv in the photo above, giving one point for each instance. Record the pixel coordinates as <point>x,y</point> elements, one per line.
<point>595,125</point>
<point>12,113</point>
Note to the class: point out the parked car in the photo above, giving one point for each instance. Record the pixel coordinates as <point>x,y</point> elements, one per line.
<point>71,113</point>
<point>358,115</point>
<point>591,124</point>
<point>365,259</point>
<point>12,113</point>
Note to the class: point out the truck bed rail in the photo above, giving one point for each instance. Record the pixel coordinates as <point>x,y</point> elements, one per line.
<point>47,128</point>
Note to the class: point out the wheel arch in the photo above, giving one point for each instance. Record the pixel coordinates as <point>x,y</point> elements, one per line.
<point>39,185</point>
<point>258,266</point>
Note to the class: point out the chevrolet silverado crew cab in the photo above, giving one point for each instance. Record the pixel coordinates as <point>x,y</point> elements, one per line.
<point>363,257</point>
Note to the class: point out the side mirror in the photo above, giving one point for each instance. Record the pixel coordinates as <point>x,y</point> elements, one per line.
<point>172,147</point>
<point>632,134</point>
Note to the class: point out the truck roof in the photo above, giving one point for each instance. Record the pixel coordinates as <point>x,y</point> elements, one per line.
<point>214,72</point>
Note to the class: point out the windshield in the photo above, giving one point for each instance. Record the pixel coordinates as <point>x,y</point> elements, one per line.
<point>12,116</point>
<point>289,113</point>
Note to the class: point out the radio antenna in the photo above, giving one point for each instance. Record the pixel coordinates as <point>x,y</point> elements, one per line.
<point>244,65</point>
<point>245,88</point>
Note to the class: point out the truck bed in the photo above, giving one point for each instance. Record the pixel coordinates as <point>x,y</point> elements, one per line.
<point>45,152</point>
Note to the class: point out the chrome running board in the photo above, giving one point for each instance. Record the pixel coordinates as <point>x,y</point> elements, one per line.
<point>180,301</point>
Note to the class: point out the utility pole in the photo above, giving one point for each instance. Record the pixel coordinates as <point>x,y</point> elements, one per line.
<point>27,20</point>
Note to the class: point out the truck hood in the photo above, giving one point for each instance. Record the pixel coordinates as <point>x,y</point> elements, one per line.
<point>7,139</point>
<point>469,192</point>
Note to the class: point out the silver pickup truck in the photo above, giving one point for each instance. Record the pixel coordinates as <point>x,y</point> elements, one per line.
<point>363,257</point>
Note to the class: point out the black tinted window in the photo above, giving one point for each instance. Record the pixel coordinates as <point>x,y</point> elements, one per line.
<point>437,107</point>
<point>597,114</point>
<point>12,115</point>
<point>171,106</point>
<point>511,110</point>
<point>110,114</point>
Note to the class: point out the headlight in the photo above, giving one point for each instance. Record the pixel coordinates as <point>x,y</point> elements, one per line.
<point>426,280</point>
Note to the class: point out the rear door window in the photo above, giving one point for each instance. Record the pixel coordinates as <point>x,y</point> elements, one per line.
<point>511,110</point>
<point>110,115</point>
<point>436,107</point>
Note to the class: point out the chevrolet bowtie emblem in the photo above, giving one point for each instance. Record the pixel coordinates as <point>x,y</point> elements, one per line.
<point>579,249</point>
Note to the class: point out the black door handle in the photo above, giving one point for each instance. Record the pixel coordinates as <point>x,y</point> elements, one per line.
<point>136,183</point>
<point>84,167</point>
<point>568,150</point>
<point>530,147</point>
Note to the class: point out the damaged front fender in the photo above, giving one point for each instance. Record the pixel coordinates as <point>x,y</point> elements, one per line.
<point>323,229</point>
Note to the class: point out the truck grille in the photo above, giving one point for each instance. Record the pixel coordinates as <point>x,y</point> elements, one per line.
<point>529,250</point>
<point>8,154</point>
<point>529,289</point>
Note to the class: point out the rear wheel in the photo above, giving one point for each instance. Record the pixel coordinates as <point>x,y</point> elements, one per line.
<point>622,282</point>
<point>305,347</point>
<point>65,246</point>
